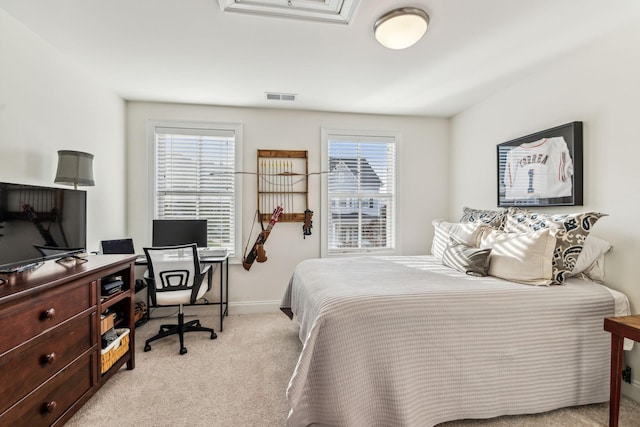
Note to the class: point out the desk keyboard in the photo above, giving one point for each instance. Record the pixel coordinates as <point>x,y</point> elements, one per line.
<point>211,252</point>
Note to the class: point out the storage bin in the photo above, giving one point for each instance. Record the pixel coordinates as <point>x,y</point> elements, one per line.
<point>106,322</point>
<point>115,350</point>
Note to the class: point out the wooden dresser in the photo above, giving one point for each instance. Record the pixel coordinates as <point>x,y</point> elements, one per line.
<point>50,342</point>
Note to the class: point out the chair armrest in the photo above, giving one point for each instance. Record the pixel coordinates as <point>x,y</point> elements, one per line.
<point>198,282</point>
<point>204,269</point>
<point>151,288</point>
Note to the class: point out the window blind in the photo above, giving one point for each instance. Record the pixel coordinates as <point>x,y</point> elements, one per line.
<point>195,180</point>
<point>361,193</point>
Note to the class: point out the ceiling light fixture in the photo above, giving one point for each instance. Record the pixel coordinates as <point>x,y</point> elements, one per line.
<point>401,28</point>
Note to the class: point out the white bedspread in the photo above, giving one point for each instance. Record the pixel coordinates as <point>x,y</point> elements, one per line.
<point>405,341</point>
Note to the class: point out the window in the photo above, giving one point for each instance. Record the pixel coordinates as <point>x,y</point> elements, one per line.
<point>359,192</point>
<point>195,178</point>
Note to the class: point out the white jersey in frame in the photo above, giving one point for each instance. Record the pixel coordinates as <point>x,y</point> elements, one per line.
<point>539,169</point>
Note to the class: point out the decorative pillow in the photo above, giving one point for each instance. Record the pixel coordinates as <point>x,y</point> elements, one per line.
<point>593,251</point>
<point>493,218</point>
<point>570,231</point>
<point>595,272</point>
<point>590,263</point>
<point>444,232</point>
<point>518,220</point>
<point>472,261</point>
<point>520,257</point>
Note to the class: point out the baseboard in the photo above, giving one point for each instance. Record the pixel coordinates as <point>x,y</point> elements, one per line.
<point>249,307</point>
<point>244,307</point>
<point>632,391</point>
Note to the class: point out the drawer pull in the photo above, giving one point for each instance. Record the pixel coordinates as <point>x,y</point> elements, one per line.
<point>48,314</point>
<point>51,406</point>
<point>48,359</point>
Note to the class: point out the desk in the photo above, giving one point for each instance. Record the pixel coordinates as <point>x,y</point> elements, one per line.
<point>620,327</point>
<point>223,261</point>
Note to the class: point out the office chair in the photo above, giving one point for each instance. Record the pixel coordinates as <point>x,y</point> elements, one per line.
<point>174,277</point>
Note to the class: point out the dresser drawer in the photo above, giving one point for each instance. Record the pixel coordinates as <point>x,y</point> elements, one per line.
<point>30,317</point>
<point>52,399</point>
<point>28,366</point>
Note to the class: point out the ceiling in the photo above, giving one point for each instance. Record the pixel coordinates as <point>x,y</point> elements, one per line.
<point>191,51</point>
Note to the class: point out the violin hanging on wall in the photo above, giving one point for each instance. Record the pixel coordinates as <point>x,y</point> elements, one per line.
<point>257,252</point>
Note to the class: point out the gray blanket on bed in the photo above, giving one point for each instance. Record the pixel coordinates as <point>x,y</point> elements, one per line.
<point>405,341</point>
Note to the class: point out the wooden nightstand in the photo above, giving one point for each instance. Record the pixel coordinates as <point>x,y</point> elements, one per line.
<point>620,328</point>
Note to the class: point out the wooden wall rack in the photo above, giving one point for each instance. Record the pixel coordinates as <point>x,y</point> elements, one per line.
<point>283,180</point>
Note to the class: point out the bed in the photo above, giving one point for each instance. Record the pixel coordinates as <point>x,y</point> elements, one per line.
<point>407,341</point>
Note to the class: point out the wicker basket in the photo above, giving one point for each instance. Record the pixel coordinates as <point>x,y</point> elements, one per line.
<point>115,350</point>
<point>106,322</point>
<point>140,311</point>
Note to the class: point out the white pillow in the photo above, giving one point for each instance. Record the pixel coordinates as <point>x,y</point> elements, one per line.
<point>468,234</point>
<point>595,272</point>
<point>520,257</point>
<point>591,259</point>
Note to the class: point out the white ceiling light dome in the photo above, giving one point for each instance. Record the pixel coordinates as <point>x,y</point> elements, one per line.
<point>401,28</point>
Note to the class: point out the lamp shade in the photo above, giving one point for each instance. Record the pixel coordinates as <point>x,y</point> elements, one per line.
<point>75,168</point>
<point>401,28</point>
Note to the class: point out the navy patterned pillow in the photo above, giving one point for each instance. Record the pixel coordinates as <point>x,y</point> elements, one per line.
<point>493,218</point>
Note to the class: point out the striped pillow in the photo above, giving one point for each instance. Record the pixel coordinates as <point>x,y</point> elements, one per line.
<point>472,261</point>
<point>445,232</point>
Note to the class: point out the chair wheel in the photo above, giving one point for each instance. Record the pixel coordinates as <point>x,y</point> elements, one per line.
<point>147,347</point>
<point>183,350</point>
<point>213,335</point>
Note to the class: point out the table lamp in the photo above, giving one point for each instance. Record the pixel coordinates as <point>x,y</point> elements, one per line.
<point>74,167</point>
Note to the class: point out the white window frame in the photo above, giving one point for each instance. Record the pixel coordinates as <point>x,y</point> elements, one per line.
<point>326,135</point>
<point>236,128</point>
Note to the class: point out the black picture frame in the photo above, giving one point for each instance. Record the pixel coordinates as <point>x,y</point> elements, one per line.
<point>538,174</point>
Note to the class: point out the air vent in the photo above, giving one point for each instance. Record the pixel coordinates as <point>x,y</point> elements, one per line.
<point>274,96</point>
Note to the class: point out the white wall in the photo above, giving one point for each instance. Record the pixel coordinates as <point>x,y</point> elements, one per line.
<point>598,85</point>
<point>424,197</point>
<point>48,104</point>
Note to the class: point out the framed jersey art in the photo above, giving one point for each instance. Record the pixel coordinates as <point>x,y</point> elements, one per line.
<point>542,169</point>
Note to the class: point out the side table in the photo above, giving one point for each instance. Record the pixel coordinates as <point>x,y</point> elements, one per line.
<point>620,327</point>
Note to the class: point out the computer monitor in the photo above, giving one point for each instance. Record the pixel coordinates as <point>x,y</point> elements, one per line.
<point>171,232</point>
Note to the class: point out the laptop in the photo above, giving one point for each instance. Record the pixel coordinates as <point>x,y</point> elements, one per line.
<point>118,246</point>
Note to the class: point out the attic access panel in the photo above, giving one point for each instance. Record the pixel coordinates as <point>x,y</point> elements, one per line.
<point>336,11</point>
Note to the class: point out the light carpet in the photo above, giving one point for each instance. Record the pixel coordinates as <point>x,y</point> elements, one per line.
<point>240,378</point>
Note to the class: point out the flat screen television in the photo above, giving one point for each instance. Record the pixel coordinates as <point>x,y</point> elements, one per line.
<point>171,232</point>
<point>39,223</point>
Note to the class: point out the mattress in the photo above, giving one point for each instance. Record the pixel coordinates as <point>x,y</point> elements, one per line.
<point>407,341</point>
